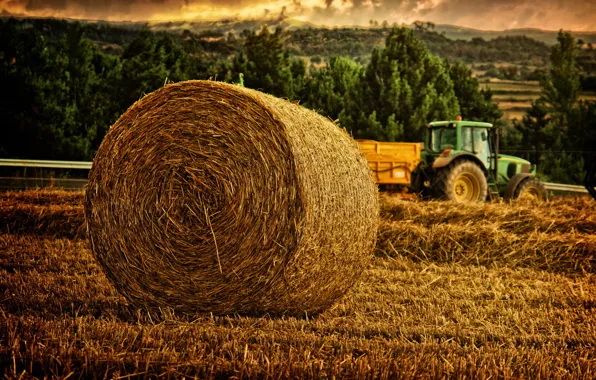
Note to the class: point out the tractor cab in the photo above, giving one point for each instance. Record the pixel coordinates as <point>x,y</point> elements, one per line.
<point>450,138</point>
<point>461,162</point>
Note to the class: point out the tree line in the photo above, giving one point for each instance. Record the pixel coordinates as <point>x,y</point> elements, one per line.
<point>559,131</point>
<point>63,90</point>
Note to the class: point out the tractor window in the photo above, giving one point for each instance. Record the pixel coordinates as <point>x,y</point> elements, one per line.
<point>475,141</point>
<point>466,139</point>
<point>481,148</point>
<point>443,138</point>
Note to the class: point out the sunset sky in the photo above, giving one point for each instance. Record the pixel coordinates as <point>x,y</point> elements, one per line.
<point>578,15</point>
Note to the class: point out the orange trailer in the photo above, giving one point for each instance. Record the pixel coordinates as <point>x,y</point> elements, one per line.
<point>392,163</point>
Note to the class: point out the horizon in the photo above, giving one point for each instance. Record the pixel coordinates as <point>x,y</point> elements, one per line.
<point>264,20</point>
<point>484,15</point>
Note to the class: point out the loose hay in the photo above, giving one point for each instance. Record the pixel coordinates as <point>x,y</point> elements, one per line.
<point>488,244</point>
<point>59,221</point>
<point>556,235</point>
<point>41,197</point>
<point>210,197</point>
<point>562,215</point>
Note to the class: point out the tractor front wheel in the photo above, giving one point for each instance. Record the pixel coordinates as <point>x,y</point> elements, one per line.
<point>461,181</point>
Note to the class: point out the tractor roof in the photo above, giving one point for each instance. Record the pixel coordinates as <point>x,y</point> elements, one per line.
<point>453,123</point>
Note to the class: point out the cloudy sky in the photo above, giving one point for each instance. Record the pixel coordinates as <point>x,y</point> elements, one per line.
<point>579,15</point>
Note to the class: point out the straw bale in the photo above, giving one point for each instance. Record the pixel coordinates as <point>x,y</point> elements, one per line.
<point>208,197</point>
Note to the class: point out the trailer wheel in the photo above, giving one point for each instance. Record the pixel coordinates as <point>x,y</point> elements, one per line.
<point>531,188</point>
<point>418,184</point>
<point>462,181</point>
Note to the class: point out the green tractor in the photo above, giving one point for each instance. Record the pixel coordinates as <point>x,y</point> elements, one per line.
<point>461,162</point>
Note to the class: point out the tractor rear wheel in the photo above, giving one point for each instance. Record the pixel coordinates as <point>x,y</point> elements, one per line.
<point>531,188</point>
<point>461,181</point>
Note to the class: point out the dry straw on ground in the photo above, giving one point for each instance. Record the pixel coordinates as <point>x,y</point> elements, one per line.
<point>41,197</point>
<point>410,317</point>
<point>210,197</point>
<point>556,236</point>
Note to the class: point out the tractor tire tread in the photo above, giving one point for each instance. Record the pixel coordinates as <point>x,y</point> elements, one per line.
<point>529,183</point>
<point>446,176</point>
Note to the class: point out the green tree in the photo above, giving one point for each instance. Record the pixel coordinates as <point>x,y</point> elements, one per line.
<point>267,66</point>
<point>558,130</point>
<point>534,129</point>
<point>41,117</point>
<point>402,89</point>
<point>325,90</point>
<point>92,76</point>
<point>104,105</point>
<point>560,88</point>
<point>563,167</point>
<point>582,133</point>
<point>58,94</point>
<point>148,63</point>
<point>474,103</point>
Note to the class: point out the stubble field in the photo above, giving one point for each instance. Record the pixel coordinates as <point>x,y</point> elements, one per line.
<point>481,291</point>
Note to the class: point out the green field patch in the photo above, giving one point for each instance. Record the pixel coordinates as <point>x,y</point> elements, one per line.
<point>515,93</point>
<point>513,87</point>
<point>515,98</point>
<point>514,106</point>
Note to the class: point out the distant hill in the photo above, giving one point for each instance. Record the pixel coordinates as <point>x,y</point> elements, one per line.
<point>230,25</point>
<point>548,37</point>
<point>453,32</point>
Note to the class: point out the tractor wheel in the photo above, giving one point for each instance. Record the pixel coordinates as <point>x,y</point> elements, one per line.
<point>461,181</point>
<point>531,188</point>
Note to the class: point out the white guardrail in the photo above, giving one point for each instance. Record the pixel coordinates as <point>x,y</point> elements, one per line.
<point>20,183</point>
<point>87,165</point>
<point>45,164</point>
<point>562,187</point>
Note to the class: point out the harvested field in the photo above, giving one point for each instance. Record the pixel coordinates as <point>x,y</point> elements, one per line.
<point>40,198</point>
<point>510,115</point>
<point>515,97</point>
<point>497,290</point>
<point>514,106</point>
<point>513,86</point>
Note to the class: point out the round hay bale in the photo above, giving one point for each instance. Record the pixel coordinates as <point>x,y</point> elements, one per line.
<point>209,197</point>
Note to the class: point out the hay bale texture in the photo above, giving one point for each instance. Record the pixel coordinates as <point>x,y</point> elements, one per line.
<point>209,197</point>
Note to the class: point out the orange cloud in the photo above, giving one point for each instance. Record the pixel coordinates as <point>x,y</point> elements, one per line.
<point>577,15</point>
